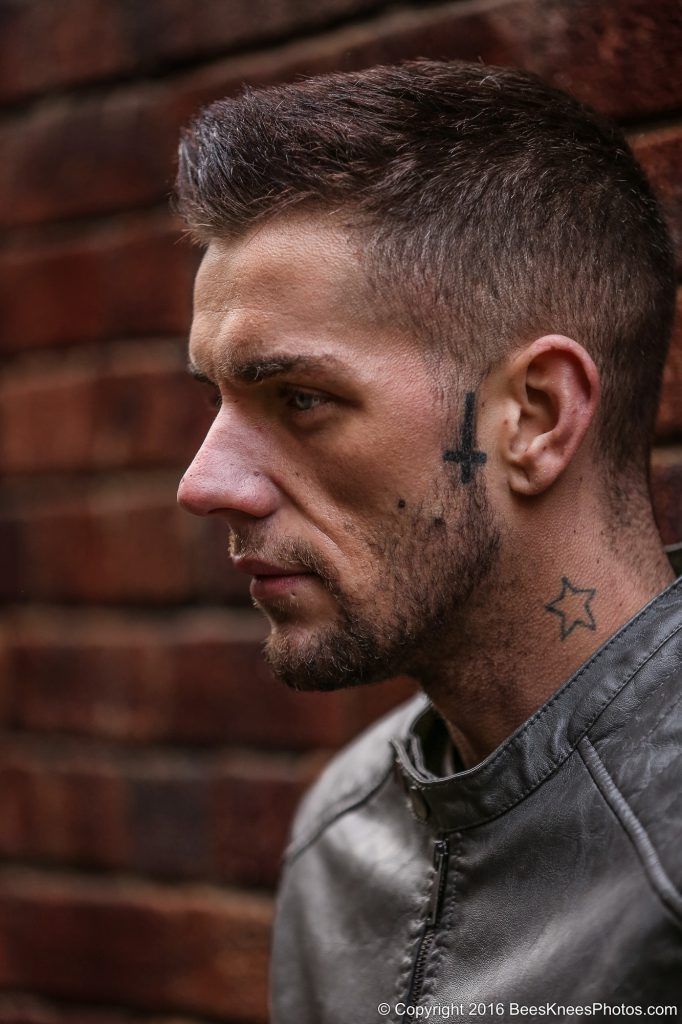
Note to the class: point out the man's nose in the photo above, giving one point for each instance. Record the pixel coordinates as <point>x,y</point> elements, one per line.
<point>227,476</point>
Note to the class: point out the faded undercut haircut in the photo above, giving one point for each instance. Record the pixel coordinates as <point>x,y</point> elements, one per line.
<point>491,208</point>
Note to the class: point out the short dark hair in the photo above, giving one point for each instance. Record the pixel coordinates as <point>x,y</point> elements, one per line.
<point>492,207</point>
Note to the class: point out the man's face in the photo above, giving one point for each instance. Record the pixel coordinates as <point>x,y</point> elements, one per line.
<point>325,460</point>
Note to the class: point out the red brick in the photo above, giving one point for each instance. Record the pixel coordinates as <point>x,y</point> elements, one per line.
<point>223,818</point>
<point>59,808</point>
<point>46,45</point>
<point>131,405</point>
<point>666,473</point>
<point>220,817</point>
<point>130,277</point>
<point>111,152</point>
<point>118,540</point>
<point>251,808</point>
<point>660,153</point>
<point>274,714</point>
<point>172,30</point>
<point>21,1008</point>
<point>173,949</point>
<point>75,673</point>
<point>6,635</point>
<point>589,48</point>
<point>192,677</point>
<point>77,41</point>
<point>669,423</point>
<point>85,156</point>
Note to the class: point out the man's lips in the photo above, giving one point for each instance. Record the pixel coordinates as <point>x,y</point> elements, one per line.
<point>253,567</point>
<point>271,580</point>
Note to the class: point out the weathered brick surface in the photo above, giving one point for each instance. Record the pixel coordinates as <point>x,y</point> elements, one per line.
<point>222,817</point>
<point>21,1008</point>
<point>119,406</point>
<point>44,45</point>
<point>669,424</point>
<point>115,541</point>
<point>109,152</point>
<point>249,809</point>
<point>190,678</point>
<point>86,156</point>
<point>176,949</point>
<point>660,153</point>
<point>60,809</point>
<point>132,276</point>
<point>667,488</point>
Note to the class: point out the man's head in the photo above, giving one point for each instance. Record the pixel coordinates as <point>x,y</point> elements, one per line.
<point>326,457</point>
<point>378,244</point>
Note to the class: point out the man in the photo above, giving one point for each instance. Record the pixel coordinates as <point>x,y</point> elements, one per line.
<point>434,310</point>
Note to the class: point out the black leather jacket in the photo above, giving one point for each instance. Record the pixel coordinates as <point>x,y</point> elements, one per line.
<point>548,875</point>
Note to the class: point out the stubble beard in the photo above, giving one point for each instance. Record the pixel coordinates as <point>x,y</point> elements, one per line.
<point>425,570</point>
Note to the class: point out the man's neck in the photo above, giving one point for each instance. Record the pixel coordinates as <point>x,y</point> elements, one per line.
<point>529,629</point>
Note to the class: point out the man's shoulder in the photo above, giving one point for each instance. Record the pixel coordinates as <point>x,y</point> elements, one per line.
<point>634,754</point>
<point>352,776</point>
<point>639,734</point>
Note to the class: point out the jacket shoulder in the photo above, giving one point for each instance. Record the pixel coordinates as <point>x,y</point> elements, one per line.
<point>639,743</point>
<point>351,776</point>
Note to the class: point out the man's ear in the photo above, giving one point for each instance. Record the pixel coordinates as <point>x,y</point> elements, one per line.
<point>551,395</point>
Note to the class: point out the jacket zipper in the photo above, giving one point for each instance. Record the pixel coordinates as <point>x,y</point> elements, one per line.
<point>441,854</point>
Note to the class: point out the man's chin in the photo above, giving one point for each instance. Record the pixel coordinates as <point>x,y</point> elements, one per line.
<point>295,654</point>
<point>310,609</point>
<point>308,659</point>
<point>320,660</point>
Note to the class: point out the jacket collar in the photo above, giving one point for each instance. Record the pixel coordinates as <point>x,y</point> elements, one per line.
<point>539,746</point>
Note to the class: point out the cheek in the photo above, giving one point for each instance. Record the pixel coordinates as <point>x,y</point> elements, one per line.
<point>361,484</point>
<point>379,476</point>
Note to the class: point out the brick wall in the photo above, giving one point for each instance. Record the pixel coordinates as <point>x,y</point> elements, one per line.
<point>149,765</point>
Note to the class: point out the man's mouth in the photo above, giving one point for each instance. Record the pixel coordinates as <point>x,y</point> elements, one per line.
<point>271,580</point>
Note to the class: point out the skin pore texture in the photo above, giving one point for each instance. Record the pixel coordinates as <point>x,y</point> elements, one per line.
<point>441,526</point>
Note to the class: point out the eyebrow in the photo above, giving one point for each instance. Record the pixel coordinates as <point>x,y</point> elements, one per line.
<point>256,370</point>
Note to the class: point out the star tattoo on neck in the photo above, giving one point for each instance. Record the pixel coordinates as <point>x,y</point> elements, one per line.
<point>572,606</point>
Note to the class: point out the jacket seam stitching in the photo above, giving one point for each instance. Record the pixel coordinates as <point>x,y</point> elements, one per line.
<point>597,656</point>
<point>659,880</point>
<point>406,973</point>
<point>357,798</point>
<point>357,795</point>
<point>557,764</point>
<point>341,806</point>
<point>564,689</point>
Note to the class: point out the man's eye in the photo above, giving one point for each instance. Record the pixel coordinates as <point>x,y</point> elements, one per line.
<point>303,401</point>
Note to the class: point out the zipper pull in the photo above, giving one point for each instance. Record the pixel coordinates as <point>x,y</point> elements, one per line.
<point>441,852</point>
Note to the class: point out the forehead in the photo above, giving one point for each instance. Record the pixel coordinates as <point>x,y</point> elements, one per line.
<point>295,249</point>
<point>296,278</point>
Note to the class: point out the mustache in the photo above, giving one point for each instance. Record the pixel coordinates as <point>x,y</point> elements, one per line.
<point>287,552</point>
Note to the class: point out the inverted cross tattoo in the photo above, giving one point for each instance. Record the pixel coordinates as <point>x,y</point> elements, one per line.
<point>466,455</point>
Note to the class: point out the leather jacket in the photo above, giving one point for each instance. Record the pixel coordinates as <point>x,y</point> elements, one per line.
<point>547,875</point>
